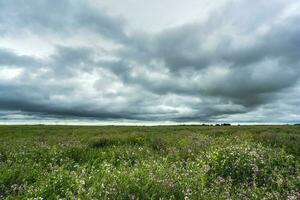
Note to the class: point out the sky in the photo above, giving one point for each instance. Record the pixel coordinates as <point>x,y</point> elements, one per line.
<point>235,61</point>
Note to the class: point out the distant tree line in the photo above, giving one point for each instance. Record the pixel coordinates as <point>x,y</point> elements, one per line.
<point>224,124</point>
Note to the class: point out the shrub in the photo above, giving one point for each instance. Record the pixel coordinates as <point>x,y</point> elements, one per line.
<point>254,165</point>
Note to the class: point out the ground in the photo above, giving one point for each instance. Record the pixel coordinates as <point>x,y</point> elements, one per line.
<point>161,162</point>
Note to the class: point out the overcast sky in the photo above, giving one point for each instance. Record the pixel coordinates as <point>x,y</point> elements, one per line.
<point>158,60</point>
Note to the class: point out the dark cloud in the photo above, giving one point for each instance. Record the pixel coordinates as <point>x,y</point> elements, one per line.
<point>61,112</point>
<point>233,64</point>
<point>64,17</point>
<point>9,58</point>
<point>252,65</point>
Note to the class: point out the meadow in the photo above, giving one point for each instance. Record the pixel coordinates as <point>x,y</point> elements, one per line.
<point>159,162</point>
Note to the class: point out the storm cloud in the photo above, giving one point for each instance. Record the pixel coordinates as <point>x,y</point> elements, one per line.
<point>231,61</point>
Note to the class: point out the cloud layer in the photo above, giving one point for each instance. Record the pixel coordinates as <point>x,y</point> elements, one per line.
<point>235,61</point>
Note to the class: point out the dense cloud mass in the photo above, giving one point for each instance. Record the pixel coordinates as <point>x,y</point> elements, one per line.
<point>227,61</point>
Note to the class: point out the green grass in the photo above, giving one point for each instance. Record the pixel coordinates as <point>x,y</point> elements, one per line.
<point>163,162</point>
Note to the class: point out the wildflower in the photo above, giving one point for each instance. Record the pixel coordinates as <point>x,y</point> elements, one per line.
<point>255,168</point>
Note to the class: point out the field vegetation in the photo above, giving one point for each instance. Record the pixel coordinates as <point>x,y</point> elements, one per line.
<point>161,162</point>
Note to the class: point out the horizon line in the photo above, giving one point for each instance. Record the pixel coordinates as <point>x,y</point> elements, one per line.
<point>69,123</point>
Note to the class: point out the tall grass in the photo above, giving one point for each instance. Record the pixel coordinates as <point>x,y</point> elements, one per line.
<point>164,162</point>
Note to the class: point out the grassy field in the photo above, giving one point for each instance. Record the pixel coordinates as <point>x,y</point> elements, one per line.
<point>163,162</point>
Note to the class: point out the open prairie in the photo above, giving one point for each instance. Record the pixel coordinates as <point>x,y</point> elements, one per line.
<point>160,162</point>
